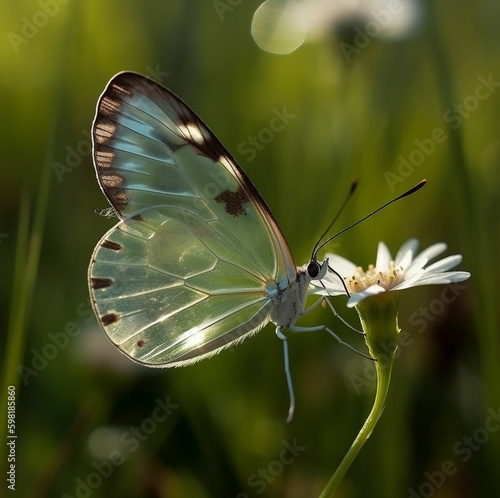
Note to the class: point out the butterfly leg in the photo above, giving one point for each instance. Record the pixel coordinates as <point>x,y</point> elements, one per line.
<point>288,375</point>
<point>333,310</point>
<point>336,315</point>
<point>316,328</point>
<point>313,306</point>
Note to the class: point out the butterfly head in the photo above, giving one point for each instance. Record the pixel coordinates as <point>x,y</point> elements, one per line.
<point>317,270</point>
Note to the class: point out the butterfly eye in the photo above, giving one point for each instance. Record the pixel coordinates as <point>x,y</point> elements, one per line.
<point>313,269</point>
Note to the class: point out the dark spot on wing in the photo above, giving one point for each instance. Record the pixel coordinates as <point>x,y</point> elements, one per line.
<point>100,283</point>
<point>109,244</point>
<point>109,319</point>
<point>233,201</point>
<point>138,217</point>
<point>140,343</point>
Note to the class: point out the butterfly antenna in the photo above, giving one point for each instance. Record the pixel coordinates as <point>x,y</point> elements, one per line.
<point>333,270</point>
<point>352,188</point>
<point>414,189</point>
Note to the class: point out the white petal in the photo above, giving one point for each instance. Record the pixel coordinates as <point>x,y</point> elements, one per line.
<point>358,297</point>
<point>341,265</point>
<point>432,251</point>
<point>448,277</point>
<point>444,264</point>
<point>406,253</point>
<point>383,257</point>
<point>415,267</point>
<point>410,281</point>
<point>318,290</point>
<point>423,258</point>
<point>330,285</point>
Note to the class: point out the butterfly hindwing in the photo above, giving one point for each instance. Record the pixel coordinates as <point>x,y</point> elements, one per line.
<point>191,266</point>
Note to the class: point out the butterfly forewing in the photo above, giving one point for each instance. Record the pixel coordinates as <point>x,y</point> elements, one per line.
<point>193,263</point>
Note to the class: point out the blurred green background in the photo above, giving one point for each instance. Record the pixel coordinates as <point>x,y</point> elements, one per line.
<point>218,429</point>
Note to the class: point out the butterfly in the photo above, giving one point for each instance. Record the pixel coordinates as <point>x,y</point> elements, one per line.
<point>197,262</point>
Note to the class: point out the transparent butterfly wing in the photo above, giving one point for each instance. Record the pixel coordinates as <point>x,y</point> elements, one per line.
<point>197,257</point>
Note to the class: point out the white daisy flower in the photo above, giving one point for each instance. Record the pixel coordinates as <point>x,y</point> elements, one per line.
<point>407,269</point>
<point>374,294</point>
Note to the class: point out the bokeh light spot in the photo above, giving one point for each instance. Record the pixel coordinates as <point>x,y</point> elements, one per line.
<point>279,26</point>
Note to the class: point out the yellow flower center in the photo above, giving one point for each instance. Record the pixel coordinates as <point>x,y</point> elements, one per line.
<point>361,279</point>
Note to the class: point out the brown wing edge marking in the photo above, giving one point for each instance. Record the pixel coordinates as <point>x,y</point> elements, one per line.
<point>109,319</point>
<point>104,130</point>
<point>114,246</point>
<point>101,282</point>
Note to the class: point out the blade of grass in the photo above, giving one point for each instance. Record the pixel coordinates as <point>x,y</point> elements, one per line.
<point>25,272</point>
<point>14,343</point>
<point>478,241</point>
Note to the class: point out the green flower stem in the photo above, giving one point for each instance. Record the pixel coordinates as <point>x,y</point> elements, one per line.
<point>379,319</point>
<point>383,380</point>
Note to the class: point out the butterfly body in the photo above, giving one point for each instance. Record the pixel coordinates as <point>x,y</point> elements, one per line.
<point>289,302</point>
